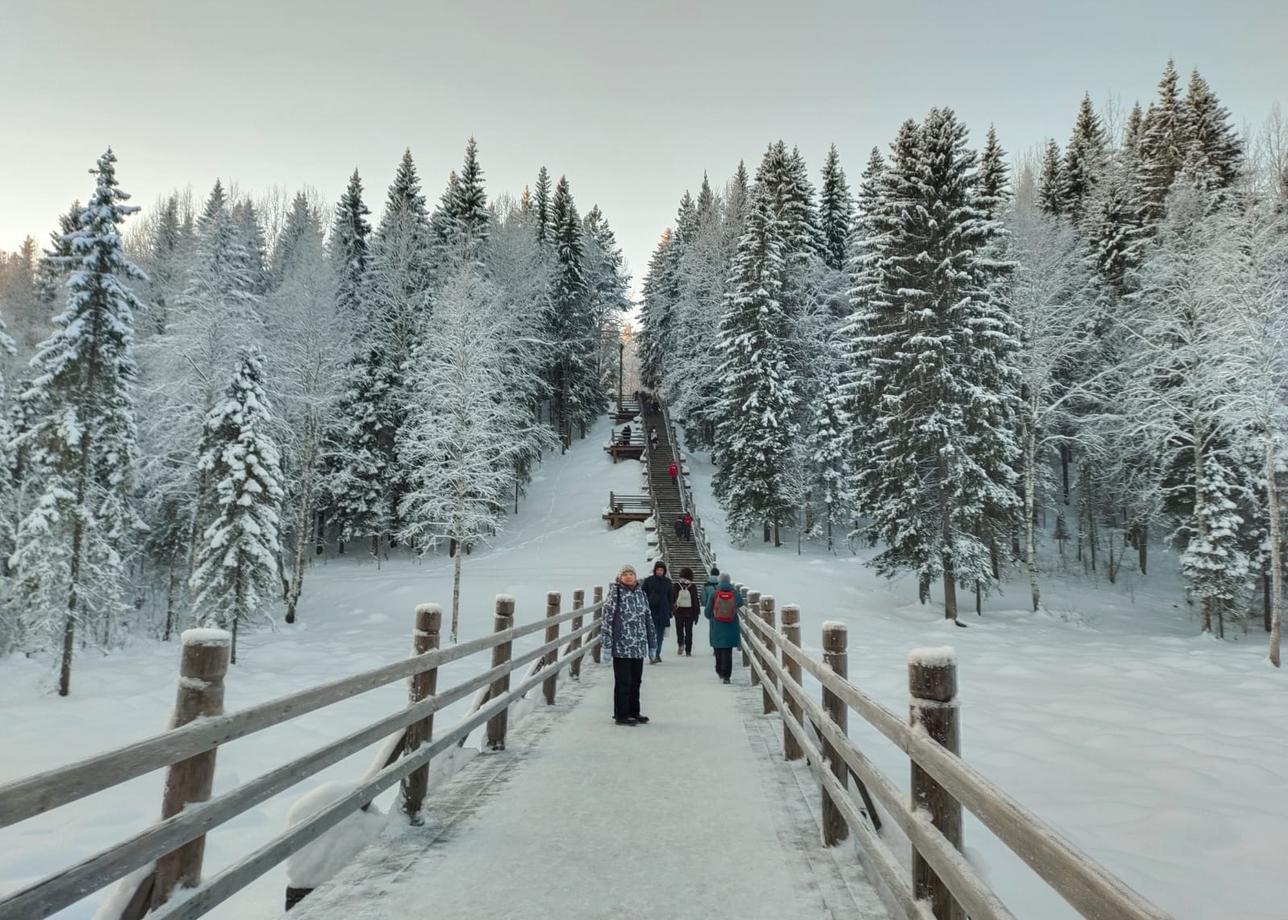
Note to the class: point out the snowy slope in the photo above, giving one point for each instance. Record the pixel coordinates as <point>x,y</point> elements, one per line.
<point>1159,752</point>
<point>353,616</point>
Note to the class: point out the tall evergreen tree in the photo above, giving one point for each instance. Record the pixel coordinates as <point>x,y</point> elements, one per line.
<point>994,184</point>
<point>1213,152</point>
<point>1084,160</point>
<point>349,249</point>
<point>574,384</point>
<point>836,212</point>
<point>1051,181</point>
<point>236,562</point>
<point>541,217</point>
<point>72,545</point>
<point>1162,144</point>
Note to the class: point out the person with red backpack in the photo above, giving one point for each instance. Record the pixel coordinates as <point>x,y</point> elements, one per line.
<point>722,609</point>
<point>673,471</point>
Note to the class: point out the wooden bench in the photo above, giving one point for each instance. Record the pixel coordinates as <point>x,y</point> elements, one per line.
<point>627,450</point>
<point>626,509</point>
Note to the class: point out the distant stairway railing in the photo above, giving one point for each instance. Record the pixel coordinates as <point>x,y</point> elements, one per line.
<point>200,726</point>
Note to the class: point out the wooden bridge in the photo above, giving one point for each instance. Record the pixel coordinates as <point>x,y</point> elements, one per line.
<point>748,801</point>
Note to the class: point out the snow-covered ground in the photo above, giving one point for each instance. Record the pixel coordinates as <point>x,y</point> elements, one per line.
<point>1161,753</point>
<point>353,617</point>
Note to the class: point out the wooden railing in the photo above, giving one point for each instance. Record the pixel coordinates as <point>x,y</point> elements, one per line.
<point>200,726</point>
<point>943,883</point>
<point>705,552</point>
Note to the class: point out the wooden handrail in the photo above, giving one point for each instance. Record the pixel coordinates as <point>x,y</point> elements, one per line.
<point>32,795</point>
<point>56,891</point>
<point>1087,886</point>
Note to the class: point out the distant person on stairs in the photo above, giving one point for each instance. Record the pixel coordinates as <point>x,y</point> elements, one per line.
<point>673,471</point>
<point>722,613</point>
<point>652,437</point>
<point>684,607</point>
<point>658,588</point>
<point>626,625</point>
<point>688,526</point>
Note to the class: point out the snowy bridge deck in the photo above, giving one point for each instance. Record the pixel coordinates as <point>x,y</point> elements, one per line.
<point>688,816</point>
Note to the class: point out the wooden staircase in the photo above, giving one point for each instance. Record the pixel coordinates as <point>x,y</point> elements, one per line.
<point>672,499</point>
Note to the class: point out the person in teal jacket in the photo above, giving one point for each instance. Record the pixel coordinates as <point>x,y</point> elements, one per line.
<point>725,637</point>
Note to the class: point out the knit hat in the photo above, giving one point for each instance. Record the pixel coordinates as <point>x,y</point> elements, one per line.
<point>725,579</point>
<point>715,570</point>
<point>659,565</point>
<point>624,569</point>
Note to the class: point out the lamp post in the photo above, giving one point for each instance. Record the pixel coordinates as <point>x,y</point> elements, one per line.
<point>621,353</point>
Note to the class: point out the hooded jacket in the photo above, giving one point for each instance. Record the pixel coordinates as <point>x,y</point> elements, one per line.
<point>627,623</point>
<point>724,635</point>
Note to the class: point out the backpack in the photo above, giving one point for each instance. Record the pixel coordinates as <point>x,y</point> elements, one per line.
<point>685,597</point>
<point>726,605</point>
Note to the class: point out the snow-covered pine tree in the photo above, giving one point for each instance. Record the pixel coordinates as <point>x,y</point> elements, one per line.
<point>301,221</point>
<point>541,218</point>
<point>466,431</point>
<point>608,284</point>
<point>573,379</point>
<point>1162,144</point>
<point>349,249</point>
<point>236,560</point>
<point>50,270</point>
<point>829,460</point>
<point>1213,152</point>
<point>994,179</point>
<point>1084,160</point>
<point>836,212</point>
<point>939,354</point>
<point>254,245</point>
<point>658,316</point>
<point>470,217</point>
<point>756,431</point>
<point>72,545</point>
<point>1051,181</point>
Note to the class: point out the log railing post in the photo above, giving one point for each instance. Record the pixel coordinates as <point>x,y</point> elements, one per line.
<point>753,609</point>
<point>932,686</point>
<point>792,633</point>
<point>553,600</point>
<point>202,668</point>
<point>771,645</point>
<point>501,654</point>
<point>578,602</point>
<point>835,656</point>
<point>597,618</point>
<point>425,637</point>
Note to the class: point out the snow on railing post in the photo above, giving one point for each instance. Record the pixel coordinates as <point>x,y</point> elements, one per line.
<point>753,605</point>
<point>429,624</point>
<point>792,633</point>
<point>771,646</point>
<point>578,602</point>
<point>837,657</point>
<point>501,654</point>
<point>932,686</point>
<point>598,598</point>
<point>202,667</point>
<point>553,601</point>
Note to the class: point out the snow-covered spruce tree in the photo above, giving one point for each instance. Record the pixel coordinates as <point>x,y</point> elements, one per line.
<point>465,431</point>
<point>574,385</point>
<point>994,177</point>
<point>51,270</point>
<point>468,204</point>
<point>836,211</point>
<point>369,482</point>
<point>658,315</point>
<point>71,546</point>
<point>1213,152</point>
<point>254,245</point>
<point>1084,160</point>
<point>348,246</point>
<point>236,561</point>
<point>308,345</point>
<point>1162,145</point>
<point>608,284</point>
<point>541,218</point>
<point>939,373</point>
<point>829,461</point>
<point>756,431</point>
<point>1051,181</point>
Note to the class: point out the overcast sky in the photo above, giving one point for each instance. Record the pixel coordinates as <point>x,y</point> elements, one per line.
<point>633,100</point>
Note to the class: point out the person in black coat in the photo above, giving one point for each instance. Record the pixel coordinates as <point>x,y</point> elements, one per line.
<point>658,588</point>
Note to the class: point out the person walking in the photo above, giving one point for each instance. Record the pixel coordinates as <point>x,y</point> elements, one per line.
<point>688,526</point>
<point>684,607</point>
<point>673,471</point>
<point>709,589</point>
<point>652,437</point>
<point>626,625</point>
<point>658,589</point>
<point>722,612</point>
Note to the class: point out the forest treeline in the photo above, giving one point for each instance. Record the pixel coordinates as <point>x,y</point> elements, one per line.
<point>962,348</point>
<point>196,401</point>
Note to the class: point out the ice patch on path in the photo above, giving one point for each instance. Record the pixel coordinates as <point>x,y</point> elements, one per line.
<point>323,858</point>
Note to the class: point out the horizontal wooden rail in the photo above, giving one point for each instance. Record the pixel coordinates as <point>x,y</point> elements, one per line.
<point>952,867</point>
<point>222,886</point>
<point>32,795</point>
<point>56,891</point>
<point>1087,886</point>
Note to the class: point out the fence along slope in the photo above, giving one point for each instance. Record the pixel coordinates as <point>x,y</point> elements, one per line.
<point>35,794</point>
<point>1088,887</point>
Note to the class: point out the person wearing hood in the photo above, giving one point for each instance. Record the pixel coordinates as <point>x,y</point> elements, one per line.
<point>709,587</point>
<point>658,588</point>
<point>684,607</point>
<point>722,608</point>
<point>626,627</point>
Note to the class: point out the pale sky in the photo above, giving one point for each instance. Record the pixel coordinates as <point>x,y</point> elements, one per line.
<point>633,100</point>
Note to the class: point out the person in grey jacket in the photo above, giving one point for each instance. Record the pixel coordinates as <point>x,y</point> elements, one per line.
<point>626,625</point>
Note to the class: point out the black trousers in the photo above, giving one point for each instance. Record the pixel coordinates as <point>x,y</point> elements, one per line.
<point>724,662</point>
<point>627,673</point>
<point>684,632</point>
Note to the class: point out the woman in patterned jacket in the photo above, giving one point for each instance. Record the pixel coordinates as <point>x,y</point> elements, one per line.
<point>628,636</point>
